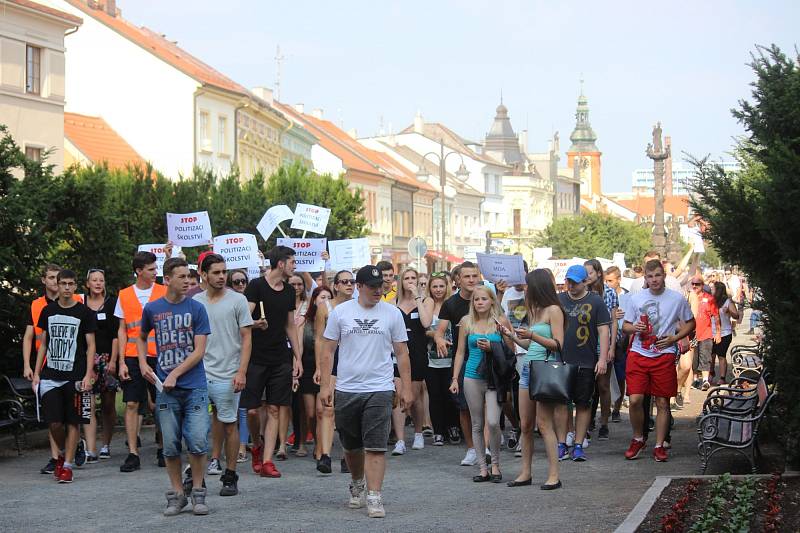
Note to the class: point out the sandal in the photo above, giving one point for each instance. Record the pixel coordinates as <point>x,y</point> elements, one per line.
<point>301,453</point>
<point>281,456</point>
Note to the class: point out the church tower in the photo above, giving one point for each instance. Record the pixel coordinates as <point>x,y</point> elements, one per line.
<point>501,142</point>
<point>584,152</point>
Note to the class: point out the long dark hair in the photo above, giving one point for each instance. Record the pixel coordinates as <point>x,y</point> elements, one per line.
<point>311,313</point>
<point>541,292</point>
<point>720,294</point>
<point>597,286</point>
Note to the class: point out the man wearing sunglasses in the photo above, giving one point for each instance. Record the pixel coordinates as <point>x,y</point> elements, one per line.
<point>707,327</point>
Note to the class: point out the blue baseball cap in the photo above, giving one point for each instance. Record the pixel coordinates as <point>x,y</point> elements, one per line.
<point>577,273</point>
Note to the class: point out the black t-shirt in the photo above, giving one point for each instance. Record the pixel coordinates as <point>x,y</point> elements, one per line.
<point>66,330</point>
<point>454,309</point>
<point>583,318</point>
<point>107,325</point>
<point>269,346</point>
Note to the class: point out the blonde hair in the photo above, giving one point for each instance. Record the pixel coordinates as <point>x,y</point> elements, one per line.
<point>401,291</point>
<point>448,287</point>
<point>495,311</point>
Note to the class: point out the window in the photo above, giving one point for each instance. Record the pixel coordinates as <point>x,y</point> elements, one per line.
<point>222,135</point>
<point>205,137</point>
<point>33,70</point>
<point>517,221</point>
<point>33,153</point>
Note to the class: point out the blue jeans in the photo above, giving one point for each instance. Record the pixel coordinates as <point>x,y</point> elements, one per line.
<point>755,319</point>
<point>183,415</point>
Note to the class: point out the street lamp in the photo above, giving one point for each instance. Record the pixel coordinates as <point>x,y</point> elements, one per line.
<point>448,191</point>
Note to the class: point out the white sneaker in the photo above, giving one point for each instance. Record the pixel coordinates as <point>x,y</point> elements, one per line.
<point>518,450</point>
<point>570,439</point>
<point>586,443</point>
<point>358,494</point>
<point>375,505</point>
<point>502,439</point>
<point>471,459</point>
<point>419,442</point>
<point>214,468</point>
<point>399,448</point>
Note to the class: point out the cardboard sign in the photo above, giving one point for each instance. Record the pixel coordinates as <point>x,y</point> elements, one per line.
<point>559,267</point>
<point>348,254</point>
<point>253,272</point>
<point>497,267</point>
<point>274,216</point>
<point>619,260</point>
<point>161,256</point>
<point>189,229</point>
<point>311,218</point>
<point>308,253</point>
<point>240,250</point>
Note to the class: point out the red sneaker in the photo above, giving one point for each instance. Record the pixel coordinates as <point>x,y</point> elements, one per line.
<point>290,440</point>
<point>268,470</point>
<point>59,467</point>
<point>309,438</point>
<point>255,456</point>
<point>65,476</point>
<point>635,449</point>
<point>660,454</point>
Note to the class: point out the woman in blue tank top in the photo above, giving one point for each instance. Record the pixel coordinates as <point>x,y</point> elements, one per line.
<point>477,330</point>
<point>546,334</point>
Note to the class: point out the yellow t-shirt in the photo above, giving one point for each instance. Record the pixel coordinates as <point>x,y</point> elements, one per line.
<point>390,296</point>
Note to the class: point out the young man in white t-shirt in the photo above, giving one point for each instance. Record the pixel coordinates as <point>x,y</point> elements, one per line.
<point>367,331</point>
<point>650,368</point>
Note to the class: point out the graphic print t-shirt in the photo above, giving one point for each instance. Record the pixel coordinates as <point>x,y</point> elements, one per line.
<point>663,310</point>
<point>513,305</point>
<point>584,316</point>
<point>365,338</point>
<point>66,329</point>
<point>175,327</point>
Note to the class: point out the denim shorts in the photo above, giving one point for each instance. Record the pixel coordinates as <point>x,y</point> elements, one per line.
<point>183,415</point>
<point>224,399</point>
<point>525,375</point>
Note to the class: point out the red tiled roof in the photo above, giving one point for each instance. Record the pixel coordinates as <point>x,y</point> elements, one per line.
<point>162,48</point>
<point>46,10</point>
<point>98,142</point>
<point>645,206</point>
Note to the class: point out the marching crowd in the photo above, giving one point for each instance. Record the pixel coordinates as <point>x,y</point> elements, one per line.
<point>227,364</point>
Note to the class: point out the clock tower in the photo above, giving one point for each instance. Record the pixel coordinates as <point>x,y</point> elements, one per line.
<point>583,152</point>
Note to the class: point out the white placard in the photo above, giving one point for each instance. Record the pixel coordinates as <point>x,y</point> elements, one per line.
<point>497,267</point>
<point>605,263</point>
<point>619,260</point>
<point>541,255</point>
<point>348,254</point>
<point>307,253</point>
<point>240,250</point>
<point>559,267</point>
<point>161,256</point>
<point>253,272</point>
<point>189,229</point>
<point>311,218</point>
<point>274,216</point>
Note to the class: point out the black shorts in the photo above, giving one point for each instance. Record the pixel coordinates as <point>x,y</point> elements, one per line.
<point>583,393</point>
<point>271,381</point>
<point>65,405</point>
<point>137,389</point>
<point>419,365</point>
<point>721,349</point>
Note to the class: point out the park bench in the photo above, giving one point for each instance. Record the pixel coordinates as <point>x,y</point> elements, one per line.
<point>17,407</point>
<point>746,358</point>
<point>730,419</point>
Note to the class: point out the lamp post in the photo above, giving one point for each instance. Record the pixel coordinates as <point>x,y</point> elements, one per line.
<point>447,190</point>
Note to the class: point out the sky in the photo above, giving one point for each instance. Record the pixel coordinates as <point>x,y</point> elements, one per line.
<point>373,62</point>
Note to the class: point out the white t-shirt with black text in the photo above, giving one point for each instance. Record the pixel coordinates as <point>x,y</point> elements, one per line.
<point>365,337</point>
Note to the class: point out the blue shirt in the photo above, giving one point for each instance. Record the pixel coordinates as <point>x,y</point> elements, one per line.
<point>175,326</point>
<point>476,355</point>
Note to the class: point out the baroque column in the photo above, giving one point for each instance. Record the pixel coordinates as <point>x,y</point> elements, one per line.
<point>658,153</point>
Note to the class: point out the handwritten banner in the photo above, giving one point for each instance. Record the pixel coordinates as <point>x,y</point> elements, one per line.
<point>501,267</point>
<point>161,256</point>
<point>559,267</point>
<point>311,218</point>
<point>348,254</point>
<point>240,250</point>
<point>273,216</point>
<point>189,229</point>
<point>307,253</point>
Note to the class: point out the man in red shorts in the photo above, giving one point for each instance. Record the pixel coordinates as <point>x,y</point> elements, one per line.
<point>651,360</point>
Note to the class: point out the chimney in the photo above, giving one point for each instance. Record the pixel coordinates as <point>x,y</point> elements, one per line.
<point>419,123</point>
<point>352,133</point>
<point>317,113</point>
<point>523,141</point>
<point>111,8</point>
<point>668,167</point>
<point>300,108</point>
<point>265,93</point>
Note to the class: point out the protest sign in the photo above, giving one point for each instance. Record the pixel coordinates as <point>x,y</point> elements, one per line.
<point>161,256</point>
<point>348,254</point>
<point>559,267</point>
<point>253,272</point>
<point>189,229</point>
<point>311,218</point>
<point>619,260</point>
<point>497,267</point>
<point>240,250</point>
<point>605,263</point>
<point>542,254</point>
<point>308,253</point>
<point>273,216</point>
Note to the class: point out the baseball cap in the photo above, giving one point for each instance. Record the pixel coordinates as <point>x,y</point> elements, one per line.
<point>369,275</point>
<point>577,273</point>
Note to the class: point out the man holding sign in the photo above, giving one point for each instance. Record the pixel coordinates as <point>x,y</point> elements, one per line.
<point>272,366</point>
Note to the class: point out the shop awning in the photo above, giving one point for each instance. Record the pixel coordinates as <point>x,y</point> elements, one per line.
<point>449,258</point>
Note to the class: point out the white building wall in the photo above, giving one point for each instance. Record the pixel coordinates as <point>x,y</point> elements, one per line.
<point>217,152</point>
<point>325,162</point>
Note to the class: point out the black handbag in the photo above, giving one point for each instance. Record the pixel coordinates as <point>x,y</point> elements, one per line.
<point>552,380</point>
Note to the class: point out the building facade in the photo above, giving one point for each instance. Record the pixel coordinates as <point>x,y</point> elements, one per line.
<point>583,154</point>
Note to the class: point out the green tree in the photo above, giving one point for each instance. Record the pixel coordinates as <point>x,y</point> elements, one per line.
<point>750,217</point>
<point>595,235</point>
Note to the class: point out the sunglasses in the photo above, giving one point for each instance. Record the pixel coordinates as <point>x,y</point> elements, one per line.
<point>439,275</point>
<point>239,282</point>
<point>346,281</point>
<point>696,284</point>
<point>93,270</point>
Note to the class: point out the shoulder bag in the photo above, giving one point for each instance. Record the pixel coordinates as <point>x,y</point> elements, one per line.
<point>552,380</point>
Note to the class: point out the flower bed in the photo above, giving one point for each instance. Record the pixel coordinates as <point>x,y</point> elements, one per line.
<point>726,505</point>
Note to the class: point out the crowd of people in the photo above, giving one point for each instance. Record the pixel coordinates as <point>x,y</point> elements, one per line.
<point>226,365</point>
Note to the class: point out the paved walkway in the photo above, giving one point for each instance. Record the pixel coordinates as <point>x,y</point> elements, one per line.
<point>424,490</point>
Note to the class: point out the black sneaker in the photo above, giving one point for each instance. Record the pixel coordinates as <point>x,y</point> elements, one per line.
<point>438,440</point>
<point>91,458</point>
<point>603,433</point>
<point>513,439</point>
<point>50,467</point>
<point>131,463</point>
<point>230,485</point>
<point>80,453</point>
<point>160,458</point>
<point>344,467</point>
<point>454,435</point>
<point>324,465</point>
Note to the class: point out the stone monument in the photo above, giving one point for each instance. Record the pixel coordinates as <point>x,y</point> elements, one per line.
<point>658,154</point>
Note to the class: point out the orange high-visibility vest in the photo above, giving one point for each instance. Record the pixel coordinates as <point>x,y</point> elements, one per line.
<point>132,310</point>
<point>36,310</point>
